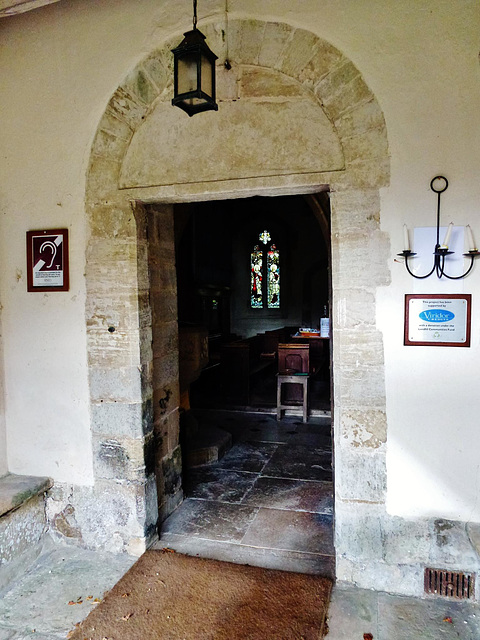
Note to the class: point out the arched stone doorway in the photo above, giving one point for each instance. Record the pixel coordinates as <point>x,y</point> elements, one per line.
<point>295,116</point>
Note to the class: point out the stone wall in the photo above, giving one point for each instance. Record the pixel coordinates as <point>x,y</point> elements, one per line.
<point>119,513</point>
<point>164,360</point>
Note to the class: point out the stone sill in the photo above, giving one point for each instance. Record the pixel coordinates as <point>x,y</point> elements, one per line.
<point>15,490</point>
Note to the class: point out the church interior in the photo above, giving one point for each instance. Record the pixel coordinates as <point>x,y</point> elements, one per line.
<point>215,242</point>
<point>237,451</point>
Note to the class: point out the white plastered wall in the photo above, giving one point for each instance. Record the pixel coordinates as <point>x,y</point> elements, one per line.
<point>59,66</point>
<point>3,434</point>
<point>432,392</point>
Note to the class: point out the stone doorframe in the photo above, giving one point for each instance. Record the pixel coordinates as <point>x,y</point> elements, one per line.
<point>131,281</point>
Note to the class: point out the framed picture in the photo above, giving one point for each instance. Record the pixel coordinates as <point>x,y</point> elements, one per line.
<point>438,320</point>
<point>47,260</point>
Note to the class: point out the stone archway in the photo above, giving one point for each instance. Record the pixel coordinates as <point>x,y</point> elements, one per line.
<point>321,126</point>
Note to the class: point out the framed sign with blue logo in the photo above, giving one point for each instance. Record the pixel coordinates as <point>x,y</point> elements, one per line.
<point>437,320</point>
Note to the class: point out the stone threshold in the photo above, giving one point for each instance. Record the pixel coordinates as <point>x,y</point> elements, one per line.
<point>15,490</point>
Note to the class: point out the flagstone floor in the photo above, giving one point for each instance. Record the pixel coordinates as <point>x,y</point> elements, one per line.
<point>358,614</point>
<point>58,591</point>
<point>268,502</point>
<point>36,607</point>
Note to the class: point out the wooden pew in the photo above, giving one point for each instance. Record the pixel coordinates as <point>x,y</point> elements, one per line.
<point>240,362</point>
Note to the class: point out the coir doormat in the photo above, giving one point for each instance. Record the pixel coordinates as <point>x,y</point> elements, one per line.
<point>170,596</point>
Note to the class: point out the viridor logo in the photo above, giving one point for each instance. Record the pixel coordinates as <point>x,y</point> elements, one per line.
<point>437,315</point>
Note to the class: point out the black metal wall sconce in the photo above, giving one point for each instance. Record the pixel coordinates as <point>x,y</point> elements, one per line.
<point>194,72</point>
<point>438,185</point>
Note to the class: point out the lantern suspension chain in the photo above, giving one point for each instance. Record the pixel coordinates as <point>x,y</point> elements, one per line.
<point>194,14</point>
<point>227,64</point>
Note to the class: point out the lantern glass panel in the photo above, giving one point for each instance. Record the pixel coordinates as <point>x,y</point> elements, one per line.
<point>187,73</point>
<point>206,76</point>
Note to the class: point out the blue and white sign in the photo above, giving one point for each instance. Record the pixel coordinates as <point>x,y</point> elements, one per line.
<point>437,320</point>
<point>436,315</point>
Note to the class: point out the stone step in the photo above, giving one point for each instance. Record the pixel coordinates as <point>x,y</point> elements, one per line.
<point>15,490</point>
<point>23,527</point>
<point>208,445</point>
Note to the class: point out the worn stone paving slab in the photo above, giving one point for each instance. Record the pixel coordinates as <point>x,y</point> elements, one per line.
<point>316,433</point>
<point>314,440</point>
<point>353,612</point>
<point>293,530</point>
<point>253,427</point>
<point>39,599</point>
<point>210,520</point>
<point>293,495</point>
<point>233,418</point>
<point>300,462</point>
<point>248,456</point>
<point>315,426</point>
<point>281,559</point>
<point>212,483</point>
<point>272,434</point>
<point>266,430</point>
<point>410,618</point>
<point>37,636</point>
<point>406,617</point>
<point>290,523</point>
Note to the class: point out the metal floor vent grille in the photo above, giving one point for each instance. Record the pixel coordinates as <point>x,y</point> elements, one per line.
<point>450,584</point>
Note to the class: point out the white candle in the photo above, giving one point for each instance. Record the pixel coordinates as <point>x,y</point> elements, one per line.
<point>406,242</point>
<point>471,240</point>
<point>446,240</point>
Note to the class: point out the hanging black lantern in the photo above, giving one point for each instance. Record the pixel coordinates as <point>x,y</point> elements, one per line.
<point>194,72</point>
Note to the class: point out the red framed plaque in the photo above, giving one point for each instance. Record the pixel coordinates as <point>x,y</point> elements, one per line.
<point>47,260</point>
<point>438,320</point>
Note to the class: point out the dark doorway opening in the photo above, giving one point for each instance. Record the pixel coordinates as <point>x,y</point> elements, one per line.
<point>249,478</point>
<point>214,245</point>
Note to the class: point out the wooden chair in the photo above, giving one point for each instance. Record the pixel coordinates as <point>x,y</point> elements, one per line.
<point>293,369</point>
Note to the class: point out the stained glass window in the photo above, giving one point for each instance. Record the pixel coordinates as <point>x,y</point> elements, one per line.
<point>273,277</point>
<point>265,275</point>
<point>264,237</point>
<point>256,279</point>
